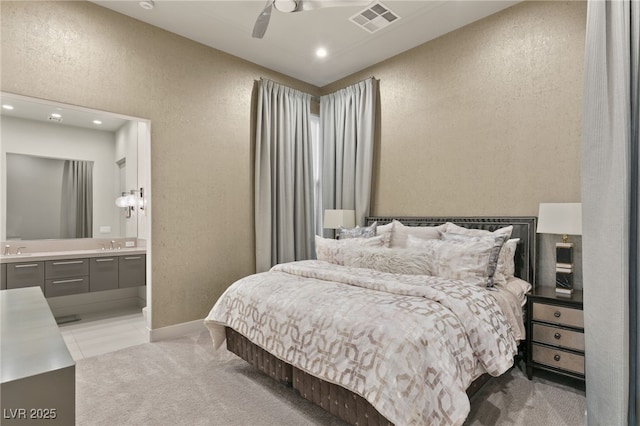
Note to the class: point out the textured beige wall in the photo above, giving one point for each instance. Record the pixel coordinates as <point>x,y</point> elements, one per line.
<point>485,120</point>
<point>199,102</point>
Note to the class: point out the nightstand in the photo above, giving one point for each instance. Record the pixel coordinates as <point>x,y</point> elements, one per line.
<point>555,332</point>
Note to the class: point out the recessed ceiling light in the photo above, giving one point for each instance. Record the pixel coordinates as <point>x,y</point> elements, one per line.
<point>147,4</point>
<point>55,115</point>
<point>7,106</point>
<point>97,122</point>
<point>321,52</point>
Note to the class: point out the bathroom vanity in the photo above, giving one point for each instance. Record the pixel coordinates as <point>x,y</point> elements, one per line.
<point>75,272</point>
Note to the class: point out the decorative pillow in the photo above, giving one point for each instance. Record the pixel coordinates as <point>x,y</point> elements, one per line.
<point>332,251</point>
<point>497,241</point>
<point>400,232</point>
<point>471,259</point>
<point>506,266</point>
<point>518,288</point>
<point>396,261</point>
<point>358,232</point>
<point>452,228</point>
<point>385,231</point>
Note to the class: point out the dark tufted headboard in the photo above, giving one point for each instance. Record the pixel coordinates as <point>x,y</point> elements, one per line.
<point>524,227</point>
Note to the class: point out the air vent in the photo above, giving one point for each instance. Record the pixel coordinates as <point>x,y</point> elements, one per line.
<point>375,17</point>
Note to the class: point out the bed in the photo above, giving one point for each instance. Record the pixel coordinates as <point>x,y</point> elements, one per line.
<point>374,347</point>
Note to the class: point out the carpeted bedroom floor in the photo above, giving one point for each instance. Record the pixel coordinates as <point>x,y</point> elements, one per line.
<point>184,382</point>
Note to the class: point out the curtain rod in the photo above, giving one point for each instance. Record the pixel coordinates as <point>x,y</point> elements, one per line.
<point>317,98</point>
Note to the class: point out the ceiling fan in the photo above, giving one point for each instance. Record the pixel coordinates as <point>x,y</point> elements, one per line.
<point>289,6</point>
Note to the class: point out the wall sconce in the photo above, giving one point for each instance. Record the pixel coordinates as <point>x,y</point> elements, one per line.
<point>130,201</point>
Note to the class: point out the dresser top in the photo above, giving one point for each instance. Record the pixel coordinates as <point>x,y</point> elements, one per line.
<point>31,341</point>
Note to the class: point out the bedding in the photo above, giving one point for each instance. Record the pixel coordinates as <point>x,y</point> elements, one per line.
<point>408,344</point>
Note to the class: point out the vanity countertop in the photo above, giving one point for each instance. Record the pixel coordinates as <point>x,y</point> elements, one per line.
<point>70,254</point>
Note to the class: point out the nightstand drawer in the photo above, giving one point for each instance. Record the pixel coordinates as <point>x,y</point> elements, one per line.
<point>558,315</point>
<point>559,359</point>
<point>558,337</point>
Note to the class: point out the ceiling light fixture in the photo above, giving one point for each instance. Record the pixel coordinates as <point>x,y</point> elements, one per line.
<point>7,106</point>
<point>55,115</point>
<point>321,52</point>
<point>97,122</point>
<point>147,4</point>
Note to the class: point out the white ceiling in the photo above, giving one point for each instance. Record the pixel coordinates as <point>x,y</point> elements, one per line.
<point>40,110</point>
<point>291,40</point>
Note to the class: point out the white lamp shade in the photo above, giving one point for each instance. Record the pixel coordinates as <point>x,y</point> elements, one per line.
<point>334,219</point>
<point>560,218</point>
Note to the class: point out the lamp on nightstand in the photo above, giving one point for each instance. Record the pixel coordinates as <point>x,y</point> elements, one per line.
<point>562,219</point>
<point>334,219</point>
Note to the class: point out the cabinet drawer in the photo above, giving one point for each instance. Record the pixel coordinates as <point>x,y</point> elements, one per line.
<point>558,359</point>
<point>558,337</point>
<point>66,286</point>
<point>103,273</point>
<point>27,274</point>
<point>132,271</point>
<point>66,268</point>
<point>558,315</point>
<point>3,276</point>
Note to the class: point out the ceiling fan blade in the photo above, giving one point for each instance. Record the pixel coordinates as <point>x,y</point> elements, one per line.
<point>262,22</point>
<point>321,4</point>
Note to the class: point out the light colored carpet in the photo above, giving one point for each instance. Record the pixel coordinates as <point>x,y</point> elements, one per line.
<point>184,382</point>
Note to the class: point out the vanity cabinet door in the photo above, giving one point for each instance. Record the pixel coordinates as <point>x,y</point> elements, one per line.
<point>27,274</point>
<point>103,273</point>
<point>3,276</point>
<point>132,271</point>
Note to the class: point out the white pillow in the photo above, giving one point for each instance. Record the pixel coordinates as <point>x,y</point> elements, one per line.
<point>452,228</point>
<point>395,261</point>
<point>506,266</point>
<point>385,231</point>
<point>399,233</point>
<point>470,259</point>
<point>518,288</point>
<point>332,251</point>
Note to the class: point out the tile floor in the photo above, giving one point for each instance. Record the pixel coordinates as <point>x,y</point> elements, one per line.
<point>97,334</point>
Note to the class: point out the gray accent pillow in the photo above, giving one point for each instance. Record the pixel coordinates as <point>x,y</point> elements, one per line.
<point>497,239</point>
<point>358,232</point>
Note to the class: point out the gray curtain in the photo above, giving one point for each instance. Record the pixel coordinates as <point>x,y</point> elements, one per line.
<point>283,176</point>
<point>77,199</point>
<point>610,211</point>
<point>347,120</point>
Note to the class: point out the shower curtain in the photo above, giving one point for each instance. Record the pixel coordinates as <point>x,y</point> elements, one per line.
<point>77,199</point>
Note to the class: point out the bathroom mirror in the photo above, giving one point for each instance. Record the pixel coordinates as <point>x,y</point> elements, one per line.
<point>62,169</point>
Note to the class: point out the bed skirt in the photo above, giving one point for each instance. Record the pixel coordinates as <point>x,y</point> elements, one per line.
<point>340,402</point>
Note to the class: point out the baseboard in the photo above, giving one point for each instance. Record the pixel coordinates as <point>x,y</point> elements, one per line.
<point>176,330</point>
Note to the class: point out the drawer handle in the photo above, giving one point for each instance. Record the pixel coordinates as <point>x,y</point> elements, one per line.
<point>29,265</point>
<point>75,280</point>
<point>71,262</point>
<point>132,258</point>
<point>557,336</point>
<point>104,260</point>
<point>557,314</point>
<point>556,357</point>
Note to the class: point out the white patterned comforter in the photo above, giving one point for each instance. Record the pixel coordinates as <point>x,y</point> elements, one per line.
<point>409,344</point>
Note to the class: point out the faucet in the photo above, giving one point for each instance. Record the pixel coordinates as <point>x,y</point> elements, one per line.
<point>7,250</point>
<point>112,244</point>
